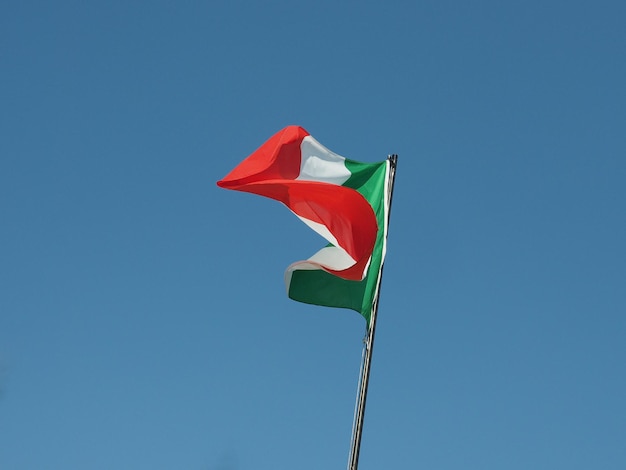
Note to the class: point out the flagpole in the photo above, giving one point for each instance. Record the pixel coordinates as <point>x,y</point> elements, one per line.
<point>368,344</point>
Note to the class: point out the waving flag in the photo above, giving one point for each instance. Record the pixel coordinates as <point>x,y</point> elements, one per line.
<point>344,201</point>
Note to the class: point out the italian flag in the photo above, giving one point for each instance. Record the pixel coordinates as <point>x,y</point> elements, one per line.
<point>345,201</point>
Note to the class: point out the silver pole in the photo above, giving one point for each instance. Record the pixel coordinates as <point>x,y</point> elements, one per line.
<point>368,346</point>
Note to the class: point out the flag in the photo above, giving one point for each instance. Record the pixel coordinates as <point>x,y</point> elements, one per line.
<point>345,201</point>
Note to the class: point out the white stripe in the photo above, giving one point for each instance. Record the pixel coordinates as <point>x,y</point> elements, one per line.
<point>320,164</point>
<point>332,257</point>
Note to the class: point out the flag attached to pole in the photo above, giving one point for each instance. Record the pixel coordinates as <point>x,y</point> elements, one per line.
<point>345,201</point>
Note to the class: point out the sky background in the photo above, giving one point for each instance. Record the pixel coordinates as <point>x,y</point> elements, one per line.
<point>143,318</point>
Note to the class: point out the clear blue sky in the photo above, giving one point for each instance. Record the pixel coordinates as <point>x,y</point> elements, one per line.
<point>143,319</point>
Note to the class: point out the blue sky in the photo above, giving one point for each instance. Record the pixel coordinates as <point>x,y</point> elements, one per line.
<point>143,319</point>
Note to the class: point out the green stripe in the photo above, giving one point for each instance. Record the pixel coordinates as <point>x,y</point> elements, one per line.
<point>321,288</point>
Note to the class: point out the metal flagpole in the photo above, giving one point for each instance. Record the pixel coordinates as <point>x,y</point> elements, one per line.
<point>368,344</point>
